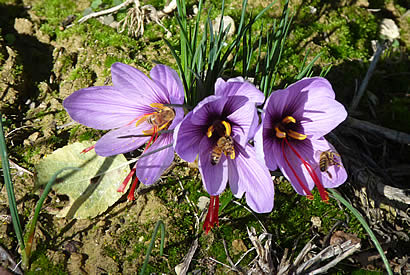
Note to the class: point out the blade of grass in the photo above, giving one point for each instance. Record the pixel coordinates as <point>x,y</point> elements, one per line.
<point>306,70</point>
<point>151,244</point>
<point>366,227</point>
<point>10,189</point>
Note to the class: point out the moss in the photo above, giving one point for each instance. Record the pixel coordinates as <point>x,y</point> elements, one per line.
<point>43,265</point>
<point>90,134</point>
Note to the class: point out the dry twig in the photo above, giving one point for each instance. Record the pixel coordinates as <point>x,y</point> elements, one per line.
<point>390,134</point>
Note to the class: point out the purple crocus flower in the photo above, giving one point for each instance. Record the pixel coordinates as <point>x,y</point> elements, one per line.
<point>218,130</point>
<point>135,109</point>
<point>291,135</point>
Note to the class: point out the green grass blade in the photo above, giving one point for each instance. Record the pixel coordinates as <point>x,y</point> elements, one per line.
<point>10,189</point>
<point>151,244</point>
<point>180,66</point>
<point>306,70</point>
<point>366,227</point>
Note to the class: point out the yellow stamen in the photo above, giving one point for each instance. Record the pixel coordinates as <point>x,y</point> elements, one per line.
<point>296,135</point>
<point>228,128</point>
<point>142,119</point>
<point>152,130</point>
<point>210,131</point>
<point>279,133</point>
<point>232,156</point>
<point>157,105</point>
<point>288,120</point>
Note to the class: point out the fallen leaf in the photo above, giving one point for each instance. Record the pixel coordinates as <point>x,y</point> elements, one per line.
<point>93,188</point>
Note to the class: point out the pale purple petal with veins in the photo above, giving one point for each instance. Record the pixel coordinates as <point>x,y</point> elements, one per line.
<point>151,167</point>
<point>168,80</point>
<point>130,78</point>
<point>122,140</point>
<point>238,86</point>
<point>187,140</point>
<point>255,178</point>
<point>105,107</point>
<point>214,177</point>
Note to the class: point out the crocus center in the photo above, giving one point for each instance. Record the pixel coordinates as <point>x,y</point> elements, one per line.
<point>221,130</point>
<point>160,119</point>
<point>284,131</point>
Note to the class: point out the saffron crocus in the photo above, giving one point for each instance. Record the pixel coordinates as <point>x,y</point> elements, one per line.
<point>290,137</point>
<point>218,131</point>
<point>135,110</point>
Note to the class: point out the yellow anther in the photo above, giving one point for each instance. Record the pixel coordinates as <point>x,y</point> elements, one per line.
<point>232,155</point>
<point>288,120</point>
<point>228,128</point>
<point>142,119</point>
<point>210,130</point>
<point>279,133</point>
<point>157,105</point>
<point>296,135</point>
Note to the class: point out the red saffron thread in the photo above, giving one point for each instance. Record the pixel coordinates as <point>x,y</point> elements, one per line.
<point>312,173</point>
<point>212,216</point>
<point>121,188</point>
<point>130,196</point>
<point>87,149</point>
<point>304,187</point>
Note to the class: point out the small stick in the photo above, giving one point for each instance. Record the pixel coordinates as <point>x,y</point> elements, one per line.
<point>228,257</point>
<point>218,262</point>
<point>189,256</point>
<point>363,86</point>
<point>334,262</point>
<point>393,135</point>
<point>104,12</point>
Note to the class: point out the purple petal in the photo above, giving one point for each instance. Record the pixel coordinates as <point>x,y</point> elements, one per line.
<point>187,137</point>
<point>122,140</point>
<point>310,151</point>
<point>169,80</point>
<point>105,107</point>
<point>151,167</point>
<point>233,177</point>
<point>265,147</point>
<point>319,119</point>
<point>243,119</point>
<point>260,155</point>
<point>214,177</point>
<point>293,169</point>
<point>130,78</point>
<point>179,115</point>
<point>257,181</point>
<point>254,125</point>
<point>338,174</point>
<point>238,86</point>
<point>208,107</point>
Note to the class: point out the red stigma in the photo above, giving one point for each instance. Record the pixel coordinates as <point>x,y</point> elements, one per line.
<point>323,194</point>
<point>130,196</point>
<point>87,149</point>
<point>212,216</point>
<point>121,188</point>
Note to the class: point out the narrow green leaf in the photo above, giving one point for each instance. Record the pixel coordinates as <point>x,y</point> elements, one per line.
<point>151,244</point>
<point>10,188</point>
